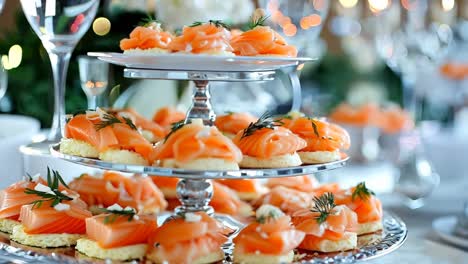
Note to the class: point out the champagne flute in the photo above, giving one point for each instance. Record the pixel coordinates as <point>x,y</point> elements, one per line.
<point>94,78</point>
<point>59,25</point>
<point>3,81</point>
<point>300,23</point>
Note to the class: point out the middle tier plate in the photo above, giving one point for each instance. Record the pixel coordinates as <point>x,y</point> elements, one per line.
<point>198,174</point>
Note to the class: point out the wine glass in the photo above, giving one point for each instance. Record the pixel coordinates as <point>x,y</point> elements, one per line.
<point>3,81</point>
<point>93,77</point>
<point>300,23</point>
<point>59,25</point>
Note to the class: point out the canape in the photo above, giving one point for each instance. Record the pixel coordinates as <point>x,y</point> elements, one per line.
<point>110,188</point>
<point>198,147</point>
<point>118,234</point>
<point>270,239</point>
<point>13,198</point>
<point>265,144</point>
<point>147,39</point>
<point>194,238</point>
<point>148,129</point>
<point>56,219</point>
<point>328,227</point>
<point>324,140</point>
<point>167,185</point>
<point>367,207</point>
<point>211,38</point>
<point>226,201</point>
<point>231,123</point>
<point>261,40</point>
<point>246,189</point>
<point>104,135</point>
<point>288,200</point>
<point>364,115</point>
<point>306,183</point>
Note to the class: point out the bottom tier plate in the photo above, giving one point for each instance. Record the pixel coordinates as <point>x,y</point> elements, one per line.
<point>370,246</point>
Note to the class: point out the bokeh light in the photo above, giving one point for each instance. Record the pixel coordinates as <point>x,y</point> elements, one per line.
<point>101,26</point>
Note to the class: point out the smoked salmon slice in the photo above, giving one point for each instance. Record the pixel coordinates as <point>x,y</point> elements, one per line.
<point>232,123</point>
<point>13,197</point>
<point>362,201</point>
<point>183,240</point>
<point>270,234</point>
<point>246,189</point>
<point>114,188</point>
<point>324,220</point>
<point>114,230</point>
<point>167,185</point>
<point>226,201</point>
<point>306,183</point>
<point>147,37</point>
<point>47,219</point>
<point>367,114</point>
<point>142,123</point>
<point>394,119</point>
<point>319,135</point>
<point>167,116</point>
<point>265,142</point>
<point>261,41</point>
<point>286,199</point>
<point>193,141</point>
<point>207,38</point>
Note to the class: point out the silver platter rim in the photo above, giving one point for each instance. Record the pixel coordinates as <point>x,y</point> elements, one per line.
<point>198,174</point>
<point>395,234</point>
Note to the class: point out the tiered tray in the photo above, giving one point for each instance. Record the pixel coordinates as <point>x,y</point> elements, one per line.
<point>194,190</point>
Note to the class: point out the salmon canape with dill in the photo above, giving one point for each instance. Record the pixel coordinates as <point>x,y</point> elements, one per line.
<point>270,239</point>
<point>194,238</point>
<point>56,219</point>
<point>328,227</point>
<point>103,135</point>
<point>117,234</point>
<point>198,147</point>
<point>365,204</point>
<point>149,38</point>
<point>231,123</point>
<point>266,144</point>
<point>325,140</point>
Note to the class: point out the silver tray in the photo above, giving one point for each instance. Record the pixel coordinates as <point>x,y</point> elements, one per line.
<point>197,174</point>
<point>391,238</point>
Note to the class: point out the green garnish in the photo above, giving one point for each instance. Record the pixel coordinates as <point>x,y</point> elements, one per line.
<point>174,127</point>
<point>265,121</point>
<point>362,192</point>
<point>53,181</point>
<point>314,126</point>
<point>147,21</point>
<point>110,120</point>
<point>324,204</point>
<point>217,23</point>
<point>29,177</point>
<point>255,22</point>
<point>114,214</point>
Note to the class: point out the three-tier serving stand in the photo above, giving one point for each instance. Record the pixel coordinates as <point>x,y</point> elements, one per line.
<point>194,189</point>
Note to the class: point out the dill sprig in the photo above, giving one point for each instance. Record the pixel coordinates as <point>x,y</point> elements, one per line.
<point>114,214</point>
<point>271,215</point>
<point>323,205</point>
<point>29,177</point>
<point>174,127</point>
<point>362,192</point>
<point>217,23</point>
<point>147,21</point>
<point>53,181</point>
<point>265,121</point>
<point>107,120</point>
<point>130,123</point>
<point>257,21</point>
<point>314,126</point>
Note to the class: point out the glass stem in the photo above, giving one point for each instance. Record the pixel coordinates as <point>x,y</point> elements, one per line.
<point>296,90</point>
<point>59,63</point>
<point>410,102</point>
<point>92,101</point>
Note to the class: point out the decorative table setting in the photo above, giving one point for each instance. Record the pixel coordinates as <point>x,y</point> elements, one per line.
<point>194,184</point>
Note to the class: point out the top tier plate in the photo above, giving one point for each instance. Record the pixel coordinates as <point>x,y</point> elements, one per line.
<point>193,62</point>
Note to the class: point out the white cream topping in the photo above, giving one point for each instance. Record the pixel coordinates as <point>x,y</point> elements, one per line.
<point>205,132</point>
<point>35,177</point>
<point>192,217</point>
<point>115,207</point>
<point>42,188</point>
<point>62,207</point>
<point>267,211</point>
<point>197,121</point>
